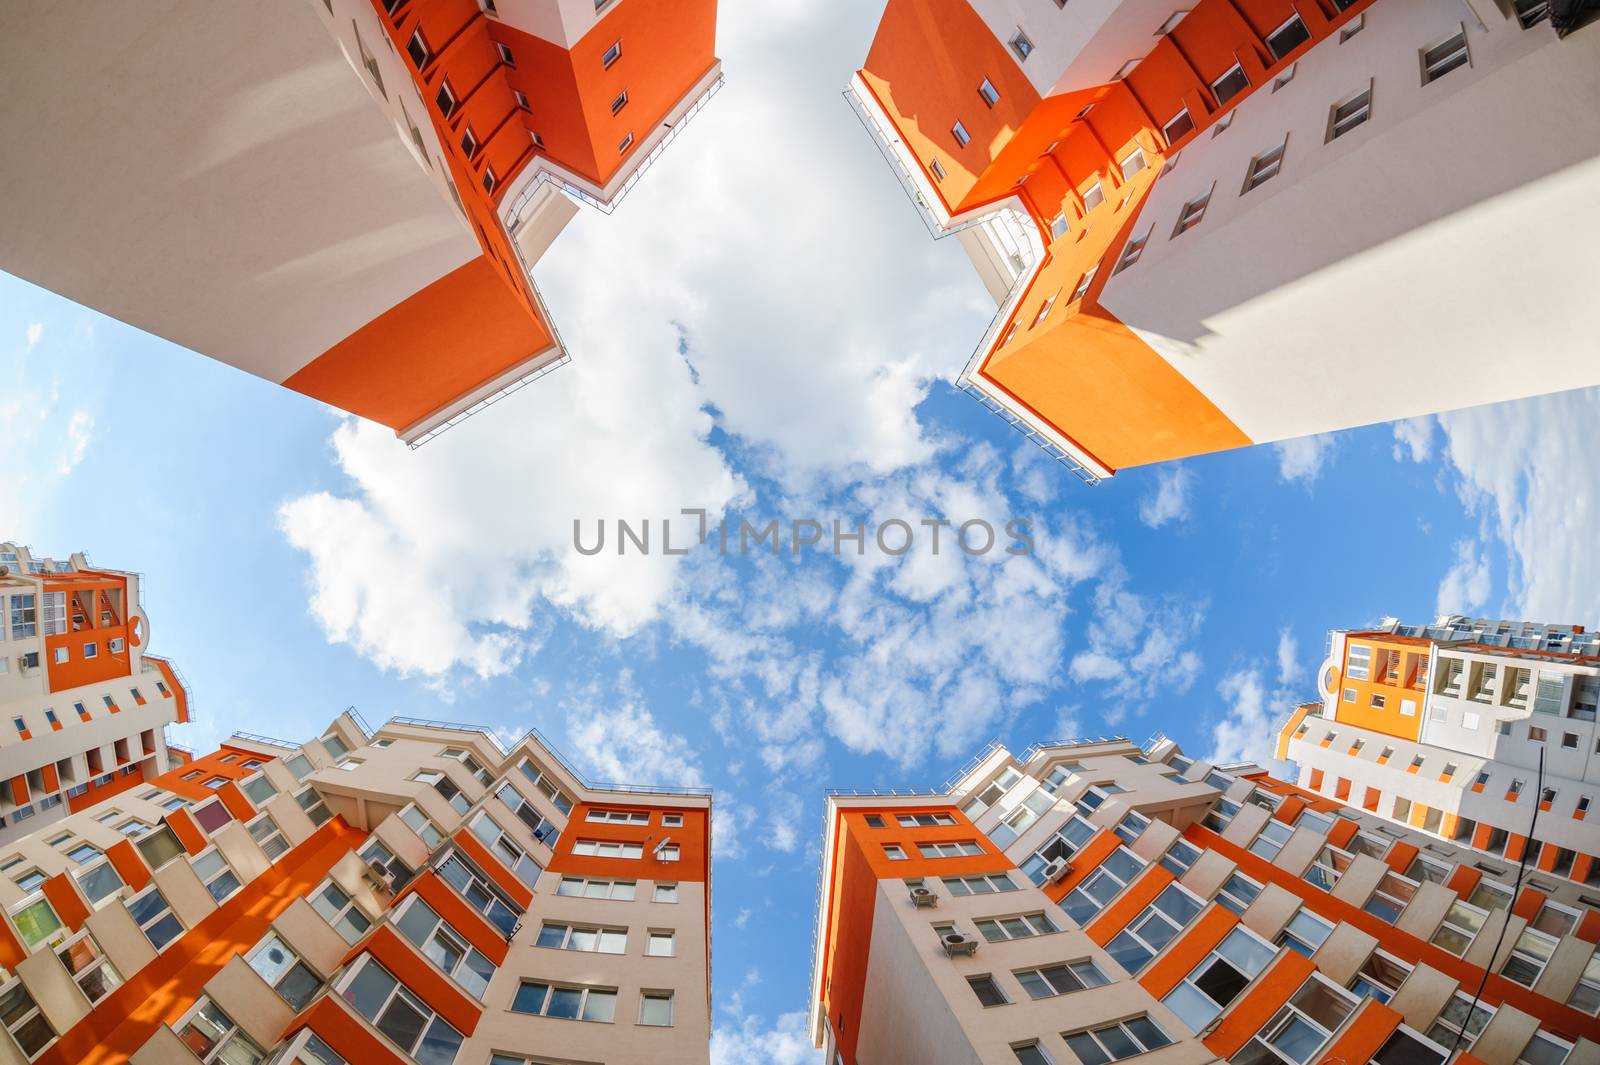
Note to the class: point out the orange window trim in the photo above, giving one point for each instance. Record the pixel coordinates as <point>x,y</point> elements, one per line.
<point>1139,894</point>
<point>492,867</point>
<point>1178,960</point>
<point>463,918</point>
<point>335,1025</point>
<point>406,964</point>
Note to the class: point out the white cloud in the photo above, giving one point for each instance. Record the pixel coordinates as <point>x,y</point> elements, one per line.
<point>742,918</point>
<point>1136,646</point>
<point>1289,668</point>
<point>80,429</point>
<point>1522,468</point>
<point>35,331</point>
<point>625,745</point>
<point>1247,730</point>
<point>1170,500</point>
<point>43,435</point>
<point>1413,439</point>
<point>1465,587</point>
<point>1301,459</point>
<point>749,1043</point>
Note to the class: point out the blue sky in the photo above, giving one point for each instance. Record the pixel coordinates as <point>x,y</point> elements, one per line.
<point>762,329</point>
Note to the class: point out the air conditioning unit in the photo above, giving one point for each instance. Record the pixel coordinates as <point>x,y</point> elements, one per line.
<point>922,897</point>
<point>955,943</point>
<point>1056,869</point>
<point>378,873</point>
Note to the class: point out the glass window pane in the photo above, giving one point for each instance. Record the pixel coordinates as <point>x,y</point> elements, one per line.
<point>601,1006</point>
<point>369,989</point>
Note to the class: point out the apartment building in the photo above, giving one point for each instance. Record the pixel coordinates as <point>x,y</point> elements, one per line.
<point>1092,900</point>
<point>84,706</point>
<point>1473,730</point>
<point>1225,222</point>
<point>422,893</point>
<point>346,197</point>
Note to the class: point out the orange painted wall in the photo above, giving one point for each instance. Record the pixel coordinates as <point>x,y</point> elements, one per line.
<point>347,1036</point>
<point>925,66</point>
<point>101,792</point>
<point>210,765</point>
<point>857,864</point>
<point>452,337</point>
<point>692,838</point>
<point>175,687</point>
<point>1083,372</point>
<point>106,665</point>
<point>1361,713</point>
<point>666,49</point>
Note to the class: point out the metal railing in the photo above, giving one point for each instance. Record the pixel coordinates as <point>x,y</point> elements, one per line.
<point>271,741</point>
<point>361,722</point>
<point>550,749</point>
<point>1079,741</point>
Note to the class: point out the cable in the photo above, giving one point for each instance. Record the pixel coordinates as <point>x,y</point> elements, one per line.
<point>1516,892</point>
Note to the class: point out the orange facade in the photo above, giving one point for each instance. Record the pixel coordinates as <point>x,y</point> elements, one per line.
<point>499,100</point>
<point>98,634</point>
<point>1389,684</point>
<point>1080,163</point>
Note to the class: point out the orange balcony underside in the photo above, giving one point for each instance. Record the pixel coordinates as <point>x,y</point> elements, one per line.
<point>446,341</point>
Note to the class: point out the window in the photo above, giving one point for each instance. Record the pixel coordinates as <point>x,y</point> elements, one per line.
<point>1460,926</point>
<point>99,881</point>
<point>608,848</point>
<point>214,782</point>
<point>613,54</point>
<point>264,830</point>
<point>158,847</point>
<point>36,922</point>
<point>958,886</point>
<point>89,968</point>
<point>1528,957</point>
<point>1586,996</point>
<point>479,895</point>
<point>1380,977</point>
<point>1230,84</point>
<point>1030,1054</point>
<point>600,940</point>
<point>24,617</point>
<point>924,820</point>
<point>259,789</point>
<point>660,944</point>
<point>1237,892</point>
<point>1093,197</point>
<point>1149,933</point>
<point>285,973</point>
<point>490,181</point>
<point>623,817</point>
<point>1264,168</point>
<point>1084,282</point>
<point>990,94</point>
<point>1137,1035</point>
<point>522,102</point>
<point>503,847</point>
<point>1213,984</point>
<point>620,102</point>
<point>1444,57</point>
<point>1390,897</point>
<point>665,893</point>
<point>1133,162</point>
<point>419,823</point>
<point>938,170</point>
<point>1131,251</point>
<point>154,917</point>
<point>1177,127</point>
<point>574,1002</point>
<point>655,1008</point>
<point>91,650</point>
<point>1192,213</point>
<point>1113,874</point>
<point>544,830</point>
<point>1304,933</point>
<point>299,765</point>
<point>1053,980</point>
<point>950,849</point>
<point>446,98</point>
<point>417,49</point>
<point>215,874</point>
<point>1302,1026</point>
<point>1044,310</point>
<point>340,910</point>
<point>959,132</point>
<point>1000,929</point>
<point>506,55</point>
<point>54,617</point>
<point>408,1022</point>
<point>469,142</point>
<point>1460,1019</point>
<point>671,820</point>
<point>581,887</point>
<point>440,943</point>
<point>987,990</point>
<point>22,1017</point>
<point>1287,37</point>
